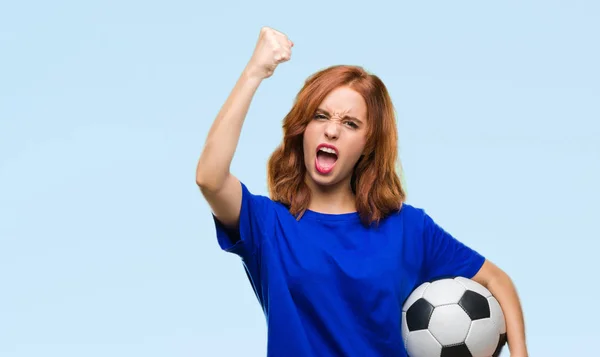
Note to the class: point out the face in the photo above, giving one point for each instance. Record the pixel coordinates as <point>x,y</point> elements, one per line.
<point>335,138</point>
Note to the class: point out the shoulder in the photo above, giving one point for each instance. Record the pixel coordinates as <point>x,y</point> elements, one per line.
<point>419,218</point>
<point>411,219</point>
<point>409,213</point>
<point>411,210</point>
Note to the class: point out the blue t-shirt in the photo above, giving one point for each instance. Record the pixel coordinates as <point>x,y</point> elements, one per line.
<point>330,286</point>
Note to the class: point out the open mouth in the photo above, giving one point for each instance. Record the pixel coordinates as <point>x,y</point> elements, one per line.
<point>326,158</point>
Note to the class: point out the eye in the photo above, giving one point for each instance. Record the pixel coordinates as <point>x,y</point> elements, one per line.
<point>351,124</point>
<point>320,116</point>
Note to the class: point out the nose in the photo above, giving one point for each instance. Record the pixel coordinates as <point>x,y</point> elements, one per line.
<point>332,129</point>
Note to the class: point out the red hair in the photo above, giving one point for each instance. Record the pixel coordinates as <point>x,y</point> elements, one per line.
<point>375,183</point>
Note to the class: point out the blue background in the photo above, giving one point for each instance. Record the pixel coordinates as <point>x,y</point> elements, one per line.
<point>106,245</point>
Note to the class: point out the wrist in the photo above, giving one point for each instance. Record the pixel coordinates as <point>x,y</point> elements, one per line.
<point>252,73</point>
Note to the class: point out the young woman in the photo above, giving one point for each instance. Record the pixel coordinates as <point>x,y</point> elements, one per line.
<point>334,251</point>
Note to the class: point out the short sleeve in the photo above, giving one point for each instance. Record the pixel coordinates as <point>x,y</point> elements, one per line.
<point>256,213</point>
<point>445,256</point>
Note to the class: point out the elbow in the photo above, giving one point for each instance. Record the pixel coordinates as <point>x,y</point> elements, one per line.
<point>204,181</point>
<point>203,176</point>
<point>209,180</point>
<point>211,170</point>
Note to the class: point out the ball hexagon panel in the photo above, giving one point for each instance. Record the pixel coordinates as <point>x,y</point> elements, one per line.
<point>445,291</point>
<point>475,305</point>
<point>422,343</point>
<point>418,315</point>
<point>414,296</point>
<point>469,284</point>
<point>483,338</point>
<point>449,324</point>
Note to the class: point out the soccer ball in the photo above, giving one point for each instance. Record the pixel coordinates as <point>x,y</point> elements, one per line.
<point>454,317</point>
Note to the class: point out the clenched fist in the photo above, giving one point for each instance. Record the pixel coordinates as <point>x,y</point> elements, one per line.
<point>272,48</point>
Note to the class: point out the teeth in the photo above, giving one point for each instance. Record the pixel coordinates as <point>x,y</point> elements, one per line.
<point>331,151</point>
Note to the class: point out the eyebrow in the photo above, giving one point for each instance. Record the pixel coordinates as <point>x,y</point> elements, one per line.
<point>345,117</point>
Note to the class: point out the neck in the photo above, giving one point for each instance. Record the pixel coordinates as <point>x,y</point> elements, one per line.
<point>334,199</point>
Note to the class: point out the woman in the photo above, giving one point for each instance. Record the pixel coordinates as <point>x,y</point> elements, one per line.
<point>335,251</point>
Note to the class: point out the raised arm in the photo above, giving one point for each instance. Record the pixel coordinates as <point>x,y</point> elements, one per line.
<point>219,187</point>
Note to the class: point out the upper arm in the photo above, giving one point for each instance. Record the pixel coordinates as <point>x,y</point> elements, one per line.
<point>226,201</point>
<point>488,272</point>
<point>242,219</point>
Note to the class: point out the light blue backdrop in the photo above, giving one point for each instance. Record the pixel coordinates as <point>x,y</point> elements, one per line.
<point>106,245</point>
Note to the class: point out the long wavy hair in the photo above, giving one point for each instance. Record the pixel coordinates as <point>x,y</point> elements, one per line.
<point>375,181</point>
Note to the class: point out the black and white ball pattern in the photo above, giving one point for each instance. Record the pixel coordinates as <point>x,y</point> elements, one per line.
<point>455,317</point>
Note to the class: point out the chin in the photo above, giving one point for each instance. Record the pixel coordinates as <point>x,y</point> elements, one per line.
<point>331,179</point>
<point>323,181</point>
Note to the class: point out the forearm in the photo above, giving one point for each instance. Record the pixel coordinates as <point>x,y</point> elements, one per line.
<point>502,287</point>
<point>223,136</point>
